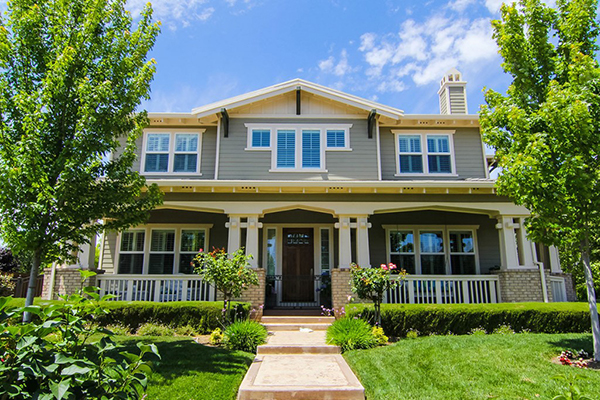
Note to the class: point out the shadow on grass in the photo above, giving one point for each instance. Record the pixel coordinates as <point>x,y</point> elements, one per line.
<point>186,357</point>
<point>576,344</point>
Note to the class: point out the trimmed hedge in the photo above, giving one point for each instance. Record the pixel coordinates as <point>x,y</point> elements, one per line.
<point>204,316</point>
<point>398,319</point>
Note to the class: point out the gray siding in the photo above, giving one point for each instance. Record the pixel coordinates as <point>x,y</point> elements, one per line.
<point>487,235</point>
<point>468,155</point>
<point>109,252</point>
<point>237,163</point>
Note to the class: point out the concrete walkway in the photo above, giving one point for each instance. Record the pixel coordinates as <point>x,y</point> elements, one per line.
<point>296,363</point>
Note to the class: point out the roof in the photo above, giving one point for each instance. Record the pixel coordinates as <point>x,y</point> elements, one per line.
<point>294,84</point>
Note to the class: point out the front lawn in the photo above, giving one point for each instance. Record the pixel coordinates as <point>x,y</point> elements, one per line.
<point>504,367</point>
<point>192,371</point>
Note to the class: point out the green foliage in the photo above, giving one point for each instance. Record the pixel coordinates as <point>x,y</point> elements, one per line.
<point>203,317</point>
<point>54,358</point>
<point>479,331</point>
<point>573,392</point>
<point>72,75</point>
<point>150,329</point>
<point>546,130</point>
<point>8,262</point>
<point>371,283</point>
<point>504,329</point>
<point>216,337</point>
<point>379,336</point>
<point>398,319</point>
<point>244,336</point>
<point>120,330</point>
<point>186,330</point>
<point>411,334</point>
<point>351,334</point>
<point>231,274</point>
<point>7,286</point>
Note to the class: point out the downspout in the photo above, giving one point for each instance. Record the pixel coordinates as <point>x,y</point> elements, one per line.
<point>218,154</point>
<point>542,274</point>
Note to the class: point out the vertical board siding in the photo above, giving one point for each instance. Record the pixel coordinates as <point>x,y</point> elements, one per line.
<point>468,155</point>
<point>238,163</point>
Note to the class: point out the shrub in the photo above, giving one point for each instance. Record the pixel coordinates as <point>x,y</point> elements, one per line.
<point>412,334</point>
<point>186,330</point>
<point>351,334</point>
<point>216,337</point>
<point>398,319</point>
<point>151,329</point>
<point>479,331</point>
<point>245,336</point>
<point>119,330</point>
<point>7,286</point>
<point>379,335</point>
<point>52,356</point>
<point>204,317</point>
<point>504,329</point>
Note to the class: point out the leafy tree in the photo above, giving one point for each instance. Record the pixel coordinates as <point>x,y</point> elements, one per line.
<point>546,130</point>
<point>71,76</point>
<point>231,274</point>
<point>8,262</point>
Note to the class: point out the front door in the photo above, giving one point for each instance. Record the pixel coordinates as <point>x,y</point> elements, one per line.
<point>298,265</point>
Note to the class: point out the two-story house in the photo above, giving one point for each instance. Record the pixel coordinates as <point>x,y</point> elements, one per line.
<point>310,179</point>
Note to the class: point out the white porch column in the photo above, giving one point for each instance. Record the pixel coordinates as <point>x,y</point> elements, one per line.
<point>554,260</point>
<point>362,241</point>
<point>233,241</point>
<point>508,244</point>
<point>345,245</point>
<point>252,227</point>
<point>524,246</point>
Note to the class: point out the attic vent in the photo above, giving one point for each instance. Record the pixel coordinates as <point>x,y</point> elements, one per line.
<point>157,120</point>
<point>440,122</point>
<point>253,188</point>
<point>186,188</point>
<point>423,122</point>
<point>407,188</point>
<point>336,188</point>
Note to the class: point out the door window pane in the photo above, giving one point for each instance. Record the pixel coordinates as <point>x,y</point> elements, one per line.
<point>192,240</point>
<point>325,251</point>
<point>271,251</point>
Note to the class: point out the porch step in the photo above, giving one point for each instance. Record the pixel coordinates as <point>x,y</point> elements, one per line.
<point>283,377</point>
<point>297,319</point>
<point>297,349</point>
<point>297,342</point>
<point>274,327</point>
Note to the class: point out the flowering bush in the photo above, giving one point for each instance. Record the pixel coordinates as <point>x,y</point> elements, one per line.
<point>372,283</point>
<point>231,274</point>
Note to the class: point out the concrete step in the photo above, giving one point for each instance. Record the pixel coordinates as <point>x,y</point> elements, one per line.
<point>308,377</point>
<point>272,327</point>
<point>295,319</point>
<point>297,349</point>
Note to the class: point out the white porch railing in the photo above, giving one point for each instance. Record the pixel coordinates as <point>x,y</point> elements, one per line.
<point>559,290</point>
<point>445,289</point>
<point>160,288</point>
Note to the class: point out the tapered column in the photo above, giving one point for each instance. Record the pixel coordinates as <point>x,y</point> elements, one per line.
<point>252,227</point>
<point>554,260</point>
<point>233,241</point>
<point>524,246</point>
<point>508,244</point>
<point>345,245</point>
<point>362,241</point>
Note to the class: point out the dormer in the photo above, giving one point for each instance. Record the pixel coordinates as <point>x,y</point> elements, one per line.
<point>453,93</point>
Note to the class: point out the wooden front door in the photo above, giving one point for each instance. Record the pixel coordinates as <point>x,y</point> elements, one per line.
<point>298,265</point>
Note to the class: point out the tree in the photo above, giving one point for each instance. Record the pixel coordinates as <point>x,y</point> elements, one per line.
<point>230,274</point>
<point>8,262</point>
<point>546,130</point>
<point>71,76</point>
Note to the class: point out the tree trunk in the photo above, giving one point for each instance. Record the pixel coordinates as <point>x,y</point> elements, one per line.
<point>589,281</point>
<point>37,260</point>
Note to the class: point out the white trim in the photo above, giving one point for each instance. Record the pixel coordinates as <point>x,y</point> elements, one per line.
<point>171,153</point>
<point>378,144</point>
<point>218,150</point>
<point>424,153</point>
<point>445,229</point>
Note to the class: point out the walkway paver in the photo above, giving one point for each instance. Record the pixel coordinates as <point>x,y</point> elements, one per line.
<point>298,364</point>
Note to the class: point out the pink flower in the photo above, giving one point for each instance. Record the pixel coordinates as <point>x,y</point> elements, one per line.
<point>382,265</point>
<point>392,266</point>
<point>200,251</point>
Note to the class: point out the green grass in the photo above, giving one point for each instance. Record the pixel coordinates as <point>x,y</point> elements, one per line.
<point>189,370</point>
<point>471,367</point>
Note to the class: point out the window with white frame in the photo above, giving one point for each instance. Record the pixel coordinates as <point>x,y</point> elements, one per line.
<point>162,251</point>
<point>131,252</point>
<point>172,152</point>
<point>433,251</point>
<point>192,242</point>
<point>298,147</point>
<point>430,152</point>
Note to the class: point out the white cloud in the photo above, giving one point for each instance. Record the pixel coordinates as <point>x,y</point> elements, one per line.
<point>425,50</point>
<point>341,68</point>
<point>460,5</point>
<point>174,13</point>
<point>494,5</point>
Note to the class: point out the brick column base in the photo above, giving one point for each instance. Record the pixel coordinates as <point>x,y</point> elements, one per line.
<point>522,285</point>
<point>255,295</point>
<point>340,288</point>
<point>66,282</point>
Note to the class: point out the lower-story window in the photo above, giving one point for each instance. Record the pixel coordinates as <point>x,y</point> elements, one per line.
<point>165,250</point>
<point>433,251</point>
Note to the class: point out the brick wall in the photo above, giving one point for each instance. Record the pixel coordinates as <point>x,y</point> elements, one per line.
<point>66,282</point>
<point>520,285</point>
<point>340,287</point>
<point>255,295</point>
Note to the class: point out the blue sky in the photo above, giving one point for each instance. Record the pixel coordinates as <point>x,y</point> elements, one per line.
<point>394,52</point>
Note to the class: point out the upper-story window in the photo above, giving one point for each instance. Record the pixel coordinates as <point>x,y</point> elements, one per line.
<point>429,152</point>
<point>172,152</point>
<point>298,147</point>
